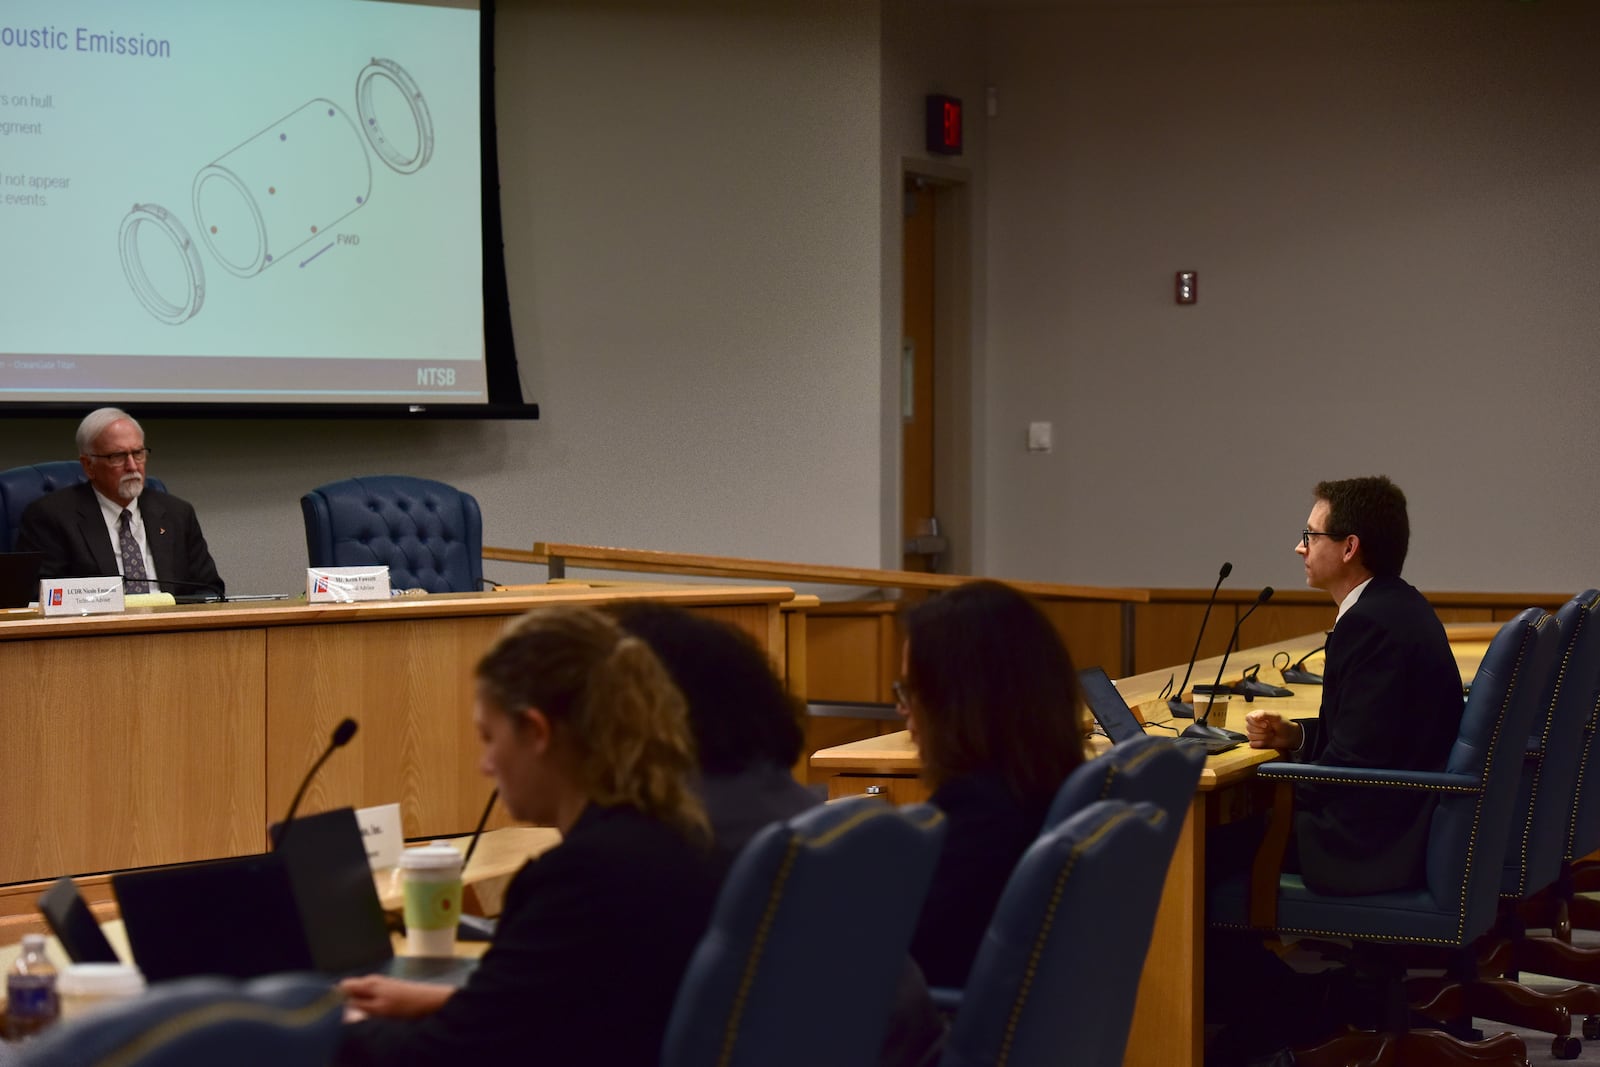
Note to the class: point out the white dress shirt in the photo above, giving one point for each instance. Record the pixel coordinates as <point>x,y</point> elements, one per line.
<point>112,512</point>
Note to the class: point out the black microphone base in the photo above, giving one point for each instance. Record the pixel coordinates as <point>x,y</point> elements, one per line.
<point>1254,688</point>
<point>1296,676</point>
<point>1211,733</point>
<point>1179,710</point>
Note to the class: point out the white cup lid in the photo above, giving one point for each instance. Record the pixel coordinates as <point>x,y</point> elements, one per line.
<point>101,979</point>
<point>430,858</point>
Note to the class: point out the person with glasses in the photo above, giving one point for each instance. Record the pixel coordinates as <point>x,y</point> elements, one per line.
<point>992,701</point>
<point>114,524</point>
<point>1391,696</point>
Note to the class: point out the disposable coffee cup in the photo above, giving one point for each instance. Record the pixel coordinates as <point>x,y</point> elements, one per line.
<point>86,986</point>
<point>1219,707</point>
<point>432,879</point>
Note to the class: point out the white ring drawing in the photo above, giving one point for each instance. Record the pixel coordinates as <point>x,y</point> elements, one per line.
<point>395,74</point>
<point>139,281</point>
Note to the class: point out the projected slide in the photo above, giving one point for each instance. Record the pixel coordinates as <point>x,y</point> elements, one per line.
<point>250,202</point>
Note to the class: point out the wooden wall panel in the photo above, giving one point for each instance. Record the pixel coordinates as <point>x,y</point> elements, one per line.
<point>851,657</point>
<point>409,685</point>
<point>1163,634</point>
<point>1092,632</point>
<point>126,751</point>
<point>1273,623</point>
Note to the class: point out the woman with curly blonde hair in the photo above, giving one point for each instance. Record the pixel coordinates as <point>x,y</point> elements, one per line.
<point>581,729</point>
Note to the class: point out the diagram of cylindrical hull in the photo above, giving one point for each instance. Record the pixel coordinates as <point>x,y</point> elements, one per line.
<point>283,187</point>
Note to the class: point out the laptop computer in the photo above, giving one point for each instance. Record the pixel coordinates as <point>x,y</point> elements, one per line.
<point>234,917</point>
<point>1111,711</point>
<point>74,924</point>
<point>343,919</point>
<point>19,578</point>
<point>310,906</point>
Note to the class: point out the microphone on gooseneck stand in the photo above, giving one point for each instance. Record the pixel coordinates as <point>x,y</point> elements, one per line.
<point>1297,673</point>
<point>1176,706</point>
<point>341,737</point>
<point>476,927</point>
<point>1200,727</point>
<point>483,820</point>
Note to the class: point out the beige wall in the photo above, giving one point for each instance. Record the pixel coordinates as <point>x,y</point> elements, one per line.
<point>1394,210</point>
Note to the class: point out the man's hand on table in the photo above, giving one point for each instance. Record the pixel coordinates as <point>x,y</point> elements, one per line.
<point>392,998</point>
<point>1268,729</point>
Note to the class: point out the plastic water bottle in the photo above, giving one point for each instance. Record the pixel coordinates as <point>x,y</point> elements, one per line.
<point>31,1002</point>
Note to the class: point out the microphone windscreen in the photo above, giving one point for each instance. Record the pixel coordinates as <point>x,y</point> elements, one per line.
<point>1266,595</point>
<point>1227,569</point>
<point>344,732</point>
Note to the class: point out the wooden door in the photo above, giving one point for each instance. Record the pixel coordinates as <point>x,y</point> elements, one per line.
<point>918,526</point>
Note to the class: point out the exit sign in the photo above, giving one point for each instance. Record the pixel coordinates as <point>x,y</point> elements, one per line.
<point>944,125</point>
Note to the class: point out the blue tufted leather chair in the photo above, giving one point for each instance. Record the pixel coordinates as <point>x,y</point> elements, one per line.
<point>1534,851</point>
<point>763,986</point>
<point>1058,971</point>
<point>428,534</point>
<point>278,1021</point>
<point>1466,846</point>
<point>1149,769</point>
<point>1537,885</point>
<point>21,486</point>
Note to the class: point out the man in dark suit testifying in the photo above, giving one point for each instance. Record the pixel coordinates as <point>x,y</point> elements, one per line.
<point>113,524</point>
<point>1391,696</point>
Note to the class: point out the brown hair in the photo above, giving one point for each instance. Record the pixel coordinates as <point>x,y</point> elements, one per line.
<point>1374,509</point>
<point>995,690</point>
<point>609,701</point>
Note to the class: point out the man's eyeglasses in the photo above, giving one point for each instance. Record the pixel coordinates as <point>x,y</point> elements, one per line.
<point>1307,535</point>
<point>122,459</point>
<point>902,694</point>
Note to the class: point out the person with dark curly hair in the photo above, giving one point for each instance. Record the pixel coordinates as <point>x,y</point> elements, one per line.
<point>745,724</point>
<point>748,730</point>
<point>993,703</point>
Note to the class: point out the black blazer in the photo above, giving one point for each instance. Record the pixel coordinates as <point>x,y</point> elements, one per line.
<point>585,964</point>
<point>70,529</point>
<point>1391,697</point>
<point>987,830</point>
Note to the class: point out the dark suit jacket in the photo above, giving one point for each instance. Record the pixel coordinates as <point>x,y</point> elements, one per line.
<point>585,964</point>
<point>1391,697</point>
<point>987,831</point>
<point>70,529</point>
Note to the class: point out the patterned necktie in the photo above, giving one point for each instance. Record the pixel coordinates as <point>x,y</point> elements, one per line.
<point>133,575</point>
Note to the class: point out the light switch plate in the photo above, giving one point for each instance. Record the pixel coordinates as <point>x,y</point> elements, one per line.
<point>1039,436</point>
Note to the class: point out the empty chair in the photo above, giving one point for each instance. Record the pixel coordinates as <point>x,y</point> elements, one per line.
<point>428,534</point>
<point>1058,971</point>
<point>765,987</point>
<point>279,1021</point>
<point>21,486</point>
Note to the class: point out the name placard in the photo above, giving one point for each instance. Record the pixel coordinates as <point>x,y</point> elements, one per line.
<point>345,585</point>
<point>380,832</point>
<point>81,596</point>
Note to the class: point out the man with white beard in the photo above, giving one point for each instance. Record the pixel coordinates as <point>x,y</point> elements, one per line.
<point>113,524</point>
